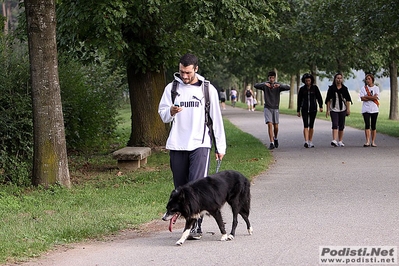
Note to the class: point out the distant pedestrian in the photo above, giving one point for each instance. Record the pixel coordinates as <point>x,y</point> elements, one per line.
<point>308,97</point>
<point>369,94</point>
<point>272,90</point>
<point>249,98</point>
<point>222,96</point>
<point>338,102</point>
<point>233,95</point>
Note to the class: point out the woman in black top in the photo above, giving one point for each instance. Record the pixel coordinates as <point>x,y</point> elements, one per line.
<point>308,97</point>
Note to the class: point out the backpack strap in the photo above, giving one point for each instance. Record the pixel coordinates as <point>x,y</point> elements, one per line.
<point>208,119</point>
<point>174,92</point>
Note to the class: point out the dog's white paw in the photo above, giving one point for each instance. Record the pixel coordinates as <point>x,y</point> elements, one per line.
<point>250,230</point>
<point>224,237</point>
<point>230,237</point>
<point>181,241</point>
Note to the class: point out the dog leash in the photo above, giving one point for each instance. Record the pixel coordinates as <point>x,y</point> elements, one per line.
<point>218,163</point>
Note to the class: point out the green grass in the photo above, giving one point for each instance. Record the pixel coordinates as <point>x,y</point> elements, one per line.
<point>102,200</point>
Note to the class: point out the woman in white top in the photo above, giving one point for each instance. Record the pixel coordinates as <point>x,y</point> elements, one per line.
<point>369,94</point>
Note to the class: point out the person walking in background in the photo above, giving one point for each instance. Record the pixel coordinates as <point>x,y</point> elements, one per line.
<point>249,99</point>
<point>308,97</point>
<point>222,95</point>
<point>189,142</point>
<point>338,101</point>
<point>272,90</point>
<point>369,96</point>
<point>233,96</point>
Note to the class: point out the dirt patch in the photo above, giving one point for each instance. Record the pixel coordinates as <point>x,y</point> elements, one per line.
<point>144,230</point>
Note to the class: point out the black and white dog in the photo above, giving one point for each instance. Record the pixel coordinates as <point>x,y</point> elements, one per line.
<point>208,195</point>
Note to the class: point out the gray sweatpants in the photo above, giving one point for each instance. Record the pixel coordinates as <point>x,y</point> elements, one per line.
<point>187,166</point>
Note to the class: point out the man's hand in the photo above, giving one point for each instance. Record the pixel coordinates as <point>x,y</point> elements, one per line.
<point>219,156</point>
<point>175,109</point>
<point>272,86</point>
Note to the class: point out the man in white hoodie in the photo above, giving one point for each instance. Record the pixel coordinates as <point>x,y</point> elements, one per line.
<point>189,142</point>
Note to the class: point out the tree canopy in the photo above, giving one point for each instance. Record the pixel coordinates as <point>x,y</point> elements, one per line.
<point>149,37</point>
<point>237,42</point>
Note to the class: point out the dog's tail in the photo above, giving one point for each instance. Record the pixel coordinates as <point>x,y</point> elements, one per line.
<point>246,194</point>
<point>246,204</point>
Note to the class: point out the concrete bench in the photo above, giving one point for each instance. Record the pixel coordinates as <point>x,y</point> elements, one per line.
<point>131,158</point>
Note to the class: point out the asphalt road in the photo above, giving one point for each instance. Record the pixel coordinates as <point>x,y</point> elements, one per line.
<point>322,196</point>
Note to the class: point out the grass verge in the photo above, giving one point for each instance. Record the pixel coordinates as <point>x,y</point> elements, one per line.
<point>103,200</point>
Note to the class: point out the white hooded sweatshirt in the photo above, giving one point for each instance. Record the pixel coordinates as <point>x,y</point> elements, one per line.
<point>189,131</point>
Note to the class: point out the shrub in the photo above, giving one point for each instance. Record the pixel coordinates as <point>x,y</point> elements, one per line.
<point>16,131</point>
<point>90,95</point>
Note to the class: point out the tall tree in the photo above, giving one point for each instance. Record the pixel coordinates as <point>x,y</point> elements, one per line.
<point>6,13</point>
<point>379,33</point>
<point>150,36</point>
<point>50,164</point>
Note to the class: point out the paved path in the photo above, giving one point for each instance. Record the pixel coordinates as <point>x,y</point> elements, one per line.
<point>308,198</point>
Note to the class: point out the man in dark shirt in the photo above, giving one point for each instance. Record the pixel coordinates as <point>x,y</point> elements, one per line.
<point>272,90</point>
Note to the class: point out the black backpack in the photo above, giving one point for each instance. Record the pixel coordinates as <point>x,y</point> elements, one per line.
<point>208,119</point>
<point>248,93</point>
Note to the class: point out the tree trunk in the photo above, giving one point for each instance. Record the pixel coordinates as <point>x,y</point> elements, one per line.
<point>298,81</point>
<point>50,164</point>
<point>314,73</point>
<point>291,104</point>
<point>146,90</point>
<point>393,78</point>
<point>6,13</point>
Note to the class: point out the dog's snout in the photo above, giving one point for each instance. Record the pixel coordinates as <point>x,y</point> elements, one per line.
<point>165,217</point>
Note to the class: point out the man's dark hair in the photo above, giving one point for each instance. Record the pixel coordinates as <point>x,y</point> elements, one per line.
<point>189,59</point>
<point>271,74</point>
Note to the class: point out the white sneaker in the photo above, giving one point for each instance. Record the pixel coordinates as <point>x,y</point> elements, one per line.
<point>311,145</point>
<point>334,143</point>
<point>341,144</point>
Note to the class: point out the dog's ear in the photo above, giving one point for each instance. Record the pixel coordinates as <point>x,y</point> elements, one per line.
<point>181,195</point>
<point>174,193</point>
<point>184,200</point>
